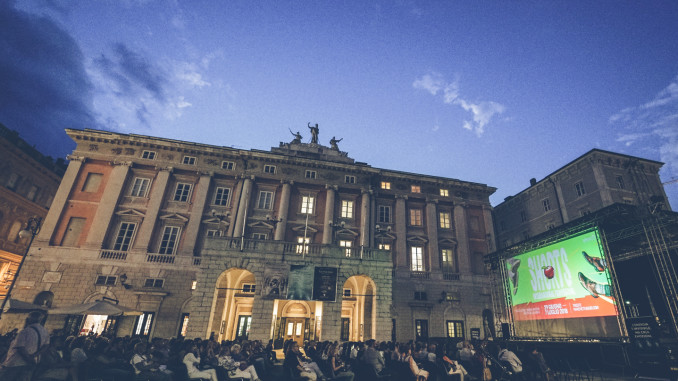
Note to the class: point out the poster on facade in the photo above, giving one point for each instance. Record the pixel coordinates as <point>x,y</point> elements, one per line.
<point>325,284</point>
<point>567,279</point>
<point>300,282</point>
<point>275,281</point>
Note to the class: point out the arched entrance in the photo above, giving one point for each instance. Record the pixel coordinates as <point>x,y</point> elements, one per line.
<point>358,309</point>
<point>298,320</point>
<point>232,309</point>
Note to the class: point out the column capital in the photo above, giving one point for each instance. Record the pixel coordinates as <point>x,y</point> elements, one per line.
<point>122,162</point>
<point>288,182</point>
<point>76,158</point>
<point>364,191</point>
<point>334,187</point>
<point>401,197</point>
<point>205,173</point>
<point>165,169</point>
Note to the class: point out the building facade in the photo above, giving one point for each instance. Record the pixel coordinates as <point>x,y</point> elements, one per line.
<point>591,182</point>
<point>299,242</point>
<point>28,182</point>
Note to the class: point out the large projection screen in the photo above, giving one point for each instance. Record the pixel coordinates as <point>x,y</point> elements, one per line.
<point>563,290</point>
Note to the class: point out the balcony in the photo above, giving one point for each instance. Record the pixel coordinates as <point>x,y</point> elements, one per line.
<point>114,255</point>
<point>451,276</point>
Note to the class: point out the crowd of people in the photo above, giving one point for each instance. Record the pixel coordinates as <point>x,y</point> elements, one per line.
<point>33,354</point>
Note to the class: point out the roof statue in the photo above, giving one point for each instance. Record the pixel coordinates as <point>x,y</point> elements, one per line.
<point>334,141</point>
<point>297,137</point>
<point>314,133</point>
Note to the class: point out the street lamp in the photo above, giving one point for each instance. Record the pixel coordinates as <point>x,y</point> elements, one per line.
<point>31,230</point>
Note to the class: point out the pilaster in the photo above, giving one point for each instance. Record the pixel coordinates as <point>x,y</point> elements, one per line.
<point>432,230</point>
<point>329,215</point>
<point>156,199</point>
<point>107,204</point>
<point>461,228</point>
<point>242,207</point>
<point>365,218</point>
<point>283,212</point>
<point>401,231</point>
<point>197,210</point>
<point>60,199</point>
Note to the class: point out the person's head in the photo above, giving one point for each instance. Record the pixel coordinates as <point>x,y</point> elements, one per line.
<point>34,317</point>
<point>140,348</point>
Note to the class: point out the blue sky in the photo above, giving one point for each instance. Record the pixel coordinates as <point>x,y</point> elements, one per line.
<point>495,92</point>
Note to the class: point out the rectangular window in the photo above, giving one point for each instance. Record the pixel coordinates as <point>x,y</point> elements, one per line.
<point>124,238</point>
<point>448,260</point>
<point>12,181</point>
<point>420,295</point>
<point>415,189</point>
<point>384,246</point>
<point>143,324</point>
<point>415,217</point>
<point>154,283</point>
<point>140,187</point>
<point>347,247</point>
<point>213,233</point>
<point>455,328</point>
<point>349,179</point>
<point>184,324</point>
<point>346,209</point>
<point>150,155</point>
<point>417,258</point>
<point>221,196</point>
<point>546,203</point>
<point>444,192</point>
<point>307,204</point>
<point>32,193</point>
<point>385,214</point>
<point>265,200</point>
<point>104,280</point>
<point>620,182</point>
<point>302,246</point>
<point>194,284</point>
<point>228,165</point>
<point>170,237</point>
<point>347,293</point>
<point>260,236</point>
<point>385,185</point>
<point>92,182</point>
<point>421,329</point>
<point>523,216</point>
<point>183,192</point>
<point>190,160</point>
<point>579,189</point>
<point>73,230</point>
<point>269,169</point>
<point>445,220</point>
<point>310,174</point>
<point>249,288</point>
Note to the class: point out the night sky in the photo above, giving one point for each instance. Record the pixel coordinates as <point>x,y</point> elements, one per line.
<point>495,92</point>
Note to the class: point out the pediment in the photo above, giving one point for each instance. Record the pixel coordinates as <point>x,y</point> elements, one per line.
<point>261,224</point>
<point>174,217</point>
<point>448,241</point>
<point>417,239</point>
<point>301,229</point>
<point>215,220</point>
<point>346,232</point>
<point>130,212</point>
<point>385,236</point>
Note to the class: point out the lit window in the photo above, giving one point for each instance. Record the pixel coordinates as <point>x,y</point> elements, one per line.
<point>140,187</point>
<point>384,214</point>
<point>265,200</point>
<point>228,165</point>
<point>310,174</point>
<point>302,246</point>
<point>455,328</point>
<point>385,185</point>
<point>620,182</point>
<point>269,169</point>
<point>346,209</point>
<point>579,188</point>
<point>444,192</point>
<point>417,258</point>
<point>170,237</point>
<point>307,204</point>
<point>347,246</point>
<point>190,160</point>
<point>415,189</point>
<point>150,155</point>
<point>448,260</point>
<point>221,196</point>
<point>349,179</point>
<point>194,284</point>
<point>546,203</point>
<point>445,220</point>
<point>415,217</point>
<point>182,192</point>
<point>92,182</point>
<point>384,246</point>
<point>124,237</point>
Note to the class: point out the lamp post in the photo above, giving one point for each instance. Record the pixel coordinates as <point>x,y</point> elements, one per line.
<point>31,230</point>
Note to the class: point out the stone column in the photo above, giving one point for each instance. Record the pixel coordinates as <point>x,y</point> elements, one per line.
<point>561,201</point>
<point>242,207</point>
<point>603,188</point>
<point>461,229</point>
<point>197,210</point>
<point>329,216</point>
<point>432,231</point>
<point>401,231</point>
<point>489,228</point>
<point>233,207</point>
<point>283,212</point>
<point>107,204</point>
<point>365,218</point>
<point>60,199</point>
<point>154,203</point>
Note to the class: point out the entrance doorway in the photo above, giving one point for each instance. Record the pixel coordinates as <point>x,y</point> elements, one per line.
<point>244,323</point>
<point>358,307</point>
<point>294,329</point>
<point>232,306</point>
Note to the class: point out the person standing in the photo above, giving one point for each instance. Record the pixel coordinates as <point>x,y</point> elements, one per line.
<point>24,350</point>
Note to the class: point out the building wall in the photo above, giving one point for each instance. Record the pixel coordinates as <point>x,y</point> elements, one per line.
<point>290,172</point>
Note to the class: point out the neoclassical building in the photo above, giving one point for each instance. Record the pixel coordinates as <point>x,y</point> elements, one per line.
<point>299,242</point>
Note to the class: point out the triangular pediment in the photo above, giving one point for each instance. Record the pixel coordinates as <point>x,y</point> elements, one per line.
<point>261,224</point>
<point>215,220</point>
<point>346,232</point>
<point>174,216</point>
<point>301,228</point>
<point>385,236</point>
<point>130,212</point>
<point>417,239</point>
<point>448,241</point>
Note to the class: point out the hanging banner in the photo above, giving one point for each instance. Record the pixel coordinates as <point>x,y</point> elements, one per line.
<point>275,281</point>
<point>325,284</point>
<point>300,282</point>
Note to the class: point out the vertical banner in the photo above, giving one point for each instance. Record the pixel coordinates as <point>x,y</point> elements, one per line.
<point>300,282</point>
<point>325,284</point>
<point>275,281</point>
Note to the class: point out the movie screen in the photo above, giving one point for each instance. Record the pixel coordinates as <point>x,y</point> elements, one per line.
<point>563,290</point>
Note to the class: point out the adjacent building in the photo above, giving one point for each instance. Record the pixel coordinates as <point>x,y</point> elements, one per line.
<point>28,182</point>
<point>299,242</point>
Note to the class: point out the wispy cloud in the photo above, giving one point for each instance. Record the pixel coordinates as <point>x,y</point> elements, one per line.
<point>483,112</point>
